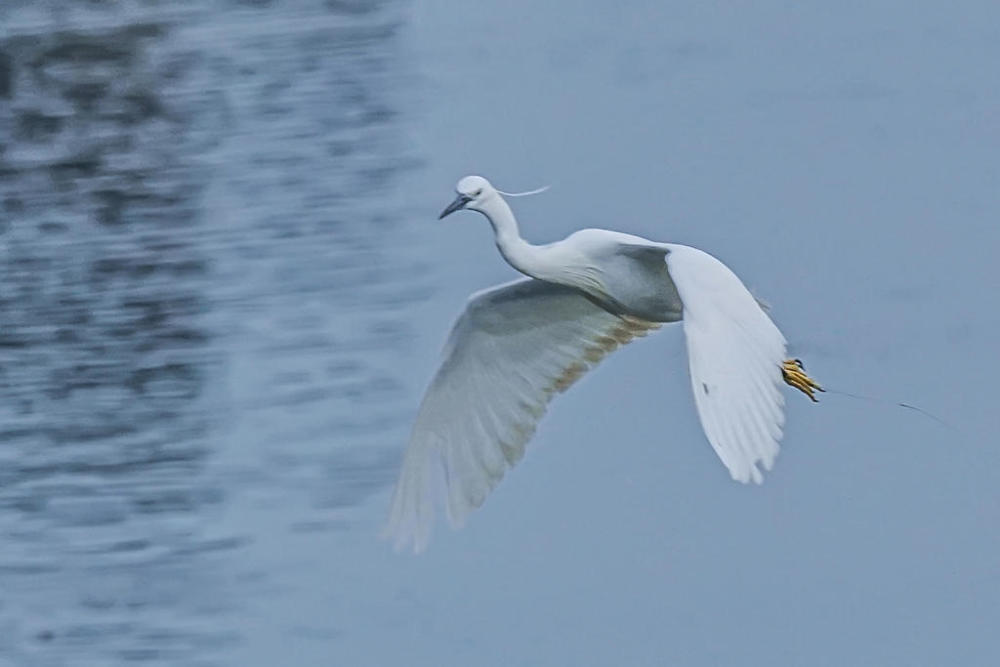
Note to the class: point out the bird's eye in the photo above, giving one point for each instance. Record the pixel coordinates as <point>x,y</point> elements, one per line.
<point>477,192</point>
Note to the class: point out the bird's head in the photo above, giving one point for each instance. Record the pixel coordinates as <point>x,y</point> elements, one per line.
<point>473,192</point>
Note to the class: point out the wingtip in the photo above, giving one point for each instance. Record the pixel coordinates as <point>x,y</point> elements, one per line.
<point>402,540</point>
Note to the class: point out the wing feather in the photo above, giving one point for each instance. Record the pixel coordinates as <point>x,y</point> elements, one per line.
<point>512,349</point>
<point>734,355</point>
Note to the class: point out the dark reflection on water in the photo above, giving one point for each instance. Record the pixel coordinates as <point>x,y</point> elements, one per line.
<point>190,298</point>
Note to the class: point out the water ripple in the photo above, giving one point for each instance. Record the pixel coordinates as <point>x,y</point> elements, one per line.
<point>194,220</point>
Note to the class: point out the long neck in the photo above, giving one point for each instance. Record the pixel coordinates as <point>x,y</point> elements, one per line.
<point>520,254</point>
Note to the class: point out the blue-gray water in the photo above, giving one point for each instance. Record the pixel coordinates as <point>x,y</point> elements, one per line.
<point>222,290</point>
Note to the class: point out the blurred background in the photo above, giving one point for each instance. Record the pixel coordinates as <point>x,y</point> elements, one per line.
<point>223,289</point>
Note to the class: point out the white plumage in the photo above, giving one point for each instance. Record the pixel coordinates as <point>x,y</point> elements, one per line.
<point>518,344</point>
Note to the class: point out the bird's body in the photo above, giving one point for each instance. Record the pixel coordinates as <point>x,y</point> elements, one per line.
<point>518,344</point>
<point>626,274</point>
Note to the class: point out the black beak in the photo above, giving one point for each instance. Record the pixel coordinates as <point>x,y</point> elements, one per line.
<point>457,205</point>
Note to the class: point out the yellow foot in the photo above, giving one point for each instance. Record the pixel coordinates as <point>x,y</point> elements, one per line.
<point>794,374</point>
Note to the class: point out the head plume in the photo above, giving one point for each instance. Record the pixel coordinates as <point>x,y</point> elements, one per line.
<point>527,193</point>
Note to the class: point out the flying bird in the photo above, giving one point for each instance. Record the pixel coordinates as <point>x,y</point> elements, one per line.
<point>517,345</point>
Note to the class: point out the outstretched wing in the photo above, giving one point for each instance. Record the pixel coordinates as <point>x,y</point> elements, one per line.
<point>512,349</point>
<point>735,353</point>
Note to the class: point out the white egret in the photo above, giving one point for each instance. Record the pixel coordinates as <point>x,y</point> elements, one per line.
<point>518,344</point>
